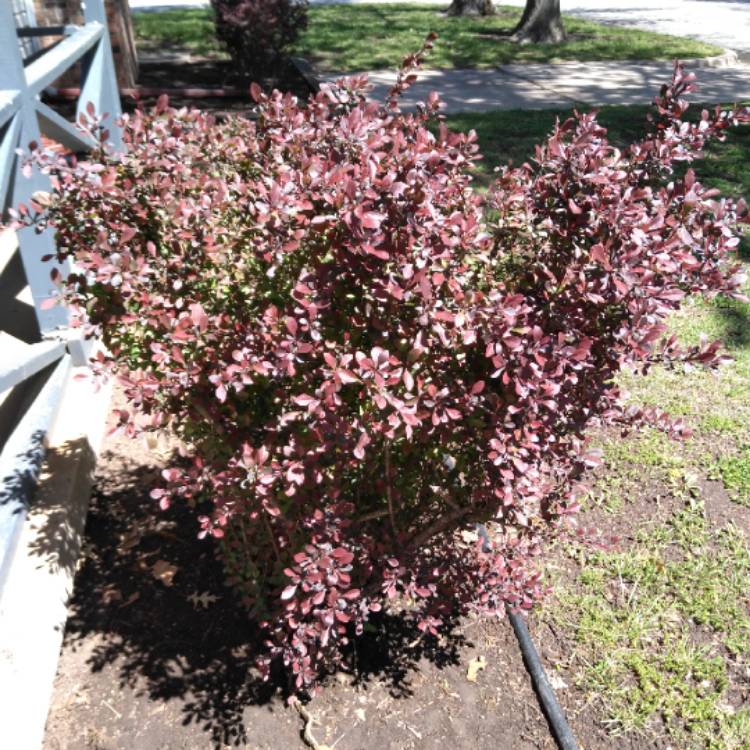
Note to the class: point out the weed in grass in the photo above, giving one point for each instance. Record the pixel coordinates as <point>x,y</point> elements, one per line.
<point>650,448</point>
<point>721,423</point>
<point>734,472</point>
<point>608,493</point>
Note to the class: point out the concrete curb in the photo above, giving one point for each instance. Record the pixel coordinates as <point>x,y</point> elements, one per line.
<point>33,608</point>
<point>727,59</point>
<point>308,73</point>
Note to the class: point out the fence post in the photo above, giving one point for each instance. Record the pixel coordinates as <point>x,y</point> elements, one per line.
<point>20,125</point>
<point>23,128</point>
<point>99,84</point>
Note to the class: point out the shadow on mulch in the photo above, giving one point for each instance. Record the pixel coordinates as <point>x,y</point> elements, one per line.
<point>218,74</point>
<point>171,75</point>
<point>151,598</point>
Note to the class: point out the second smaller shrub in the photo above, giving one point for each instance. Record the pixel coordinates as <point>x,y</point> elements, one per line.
<point>256,32</point>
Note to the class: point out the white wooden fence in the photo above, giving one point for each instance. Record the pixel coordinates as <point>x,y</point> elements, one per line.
<point>37,348</point>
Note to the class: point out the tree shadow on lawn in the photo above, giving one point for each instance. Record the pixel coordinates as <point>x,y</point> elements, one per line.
<point>132,600</point>
<point>735,321</point>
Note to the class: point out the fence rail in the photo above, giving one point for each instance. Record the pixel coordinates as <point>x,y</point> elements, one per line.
<point>34,371</point>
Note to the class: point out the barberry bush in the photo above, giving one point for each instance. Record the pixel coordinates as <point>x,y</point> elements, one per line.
<point>363,356</point>
<point>256,33</point>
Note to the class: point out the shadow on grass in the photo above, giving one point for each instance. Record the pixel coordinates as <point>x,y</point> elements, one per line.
<point>340,36</point>
<point>735,321</point>
<point>146,627</point>
<point>186,28</point>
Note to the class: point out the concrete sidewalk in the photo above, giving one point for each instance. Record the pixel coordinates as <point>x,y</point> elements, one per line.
<point>551,86</point>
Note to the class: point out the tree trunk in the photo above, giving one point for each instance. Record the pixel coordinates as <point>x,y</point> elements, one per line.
<point>540,22</point>
<point>471,8</point>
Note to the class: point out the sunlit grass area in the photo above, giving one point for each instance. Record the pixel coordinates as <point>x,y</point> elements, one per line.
<point>511,135</point>
<point>368,37</point>
<point>657,629</point>
<point>188,29</point>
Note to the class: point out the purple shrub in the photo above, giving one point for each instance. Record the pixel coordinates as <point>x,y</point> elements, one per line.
<point>362,361</point>
<point>257,32</point>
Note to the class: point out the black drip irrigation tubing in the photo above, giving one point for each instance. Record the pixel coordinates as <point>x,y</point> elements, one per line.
<point>552,709</point>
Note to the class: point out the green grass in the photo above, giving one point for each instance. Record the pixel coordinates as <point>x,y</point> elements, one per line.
<point>189,29</point>
<point>511,135</point>
<point>658,627</point>
<point>506,135</point>
<point>734,472</point>
<point>340,37</point>
<point>368,37</point>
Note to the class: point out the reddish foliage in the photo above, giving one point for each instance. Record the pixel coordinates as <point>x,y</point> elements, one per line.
<point>256,32</point>
<point>361,364</point>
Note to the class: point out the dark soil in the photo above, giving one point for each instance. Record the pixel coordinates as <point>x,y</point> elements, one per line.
<point>214,74</point>
<point>721,510</point>
<point>145,666</point>
<point>170,74</point>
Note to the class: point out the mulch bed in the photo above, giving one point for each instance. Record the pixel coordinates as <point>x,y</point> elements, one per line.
<point>158,654</point>
<point>184,72</point>
<point>217,74</point>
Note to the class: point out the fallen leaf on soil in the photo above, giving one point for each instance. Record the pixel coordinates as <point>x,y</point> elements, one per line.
<point>164,571</point>
<point>110,594</point>
<point>475,665</point>
<point>154,443</point>
<point>445,686</point>
<point>127,541</point>
<point>142,563</point>
<point>133,597</point>
<point>557,682</point>
<point>204,600</point>
<point>360,714</point>
<point>344,679</point>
